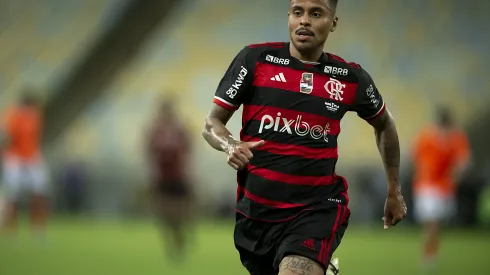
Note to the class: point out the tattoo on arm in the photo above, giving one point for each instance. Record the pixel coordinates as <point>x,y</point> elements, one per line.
<point>297,265</point>
<point>389,147</point>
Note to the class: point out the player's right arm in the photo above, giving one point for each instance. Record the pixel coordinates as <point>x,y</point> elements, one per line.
<point>215,131</point>
<point>229,95</point>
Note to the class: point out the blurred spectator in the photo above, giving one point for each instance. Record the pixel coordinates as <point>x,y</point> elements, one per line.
<point>441,155</point>
<point>73,183</point>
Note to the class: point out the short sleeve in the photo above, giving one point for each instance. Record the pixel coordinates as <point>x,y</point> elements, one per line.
<point>369,102</point>
<point>236,81</point>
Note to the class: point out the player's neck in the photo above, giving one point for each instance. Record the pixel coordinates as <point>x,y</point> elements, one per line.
<point>311,56</point>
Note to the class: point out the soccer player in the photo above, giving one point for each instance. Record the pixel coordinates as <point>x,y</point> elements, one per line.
<point>23,165</point>
<point>441,154</point>
<point>291,205</point>
<point>168,151</point>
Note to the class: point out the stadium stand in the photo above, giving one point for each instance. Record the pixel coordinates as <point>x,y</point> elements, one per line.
<point>41,39</point>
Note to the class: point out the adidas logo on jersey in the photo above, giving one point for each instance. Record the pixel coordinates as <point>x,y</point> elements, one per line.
<point>309,244</point>
<point>279,77</point>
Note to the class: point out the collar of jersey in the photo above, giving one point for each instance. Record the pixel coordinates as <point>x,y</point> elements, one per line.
<point>323,59</point>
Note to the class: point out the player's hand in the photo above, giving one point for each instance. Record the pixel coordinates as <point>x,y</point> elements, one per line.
<point>240,154</point>
<point>395,209</point>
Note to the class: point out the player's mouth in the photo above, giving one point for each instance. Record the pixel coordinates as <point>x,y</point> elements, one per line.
<point>304,34</point>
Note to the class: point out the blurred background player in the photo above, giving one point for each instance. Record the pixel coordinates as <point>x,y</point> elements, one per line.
<point>168,152</point>
<point>23,165</point>
<point>441,155</point>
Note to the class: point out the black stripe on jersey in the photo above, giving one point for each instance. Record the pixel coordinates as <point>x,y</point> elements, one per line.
<point>254,209</point>
<point>310,196</point>
<point>266,96</point>
<point>287,193</point>
<point>293,165</point>
<point>251,128</point>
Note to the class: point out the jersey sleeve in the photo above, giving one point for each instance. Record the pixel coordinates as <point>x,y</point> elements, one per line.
<point>369,103</point>
<point>236,82</point>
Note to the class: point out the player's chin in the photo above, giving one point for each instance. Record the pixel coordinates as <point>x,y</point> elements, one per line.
<point>305,45</point>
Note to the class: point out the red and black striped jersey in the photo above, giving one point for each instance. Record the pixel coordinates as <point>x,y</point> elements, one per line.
<point>296,108</point>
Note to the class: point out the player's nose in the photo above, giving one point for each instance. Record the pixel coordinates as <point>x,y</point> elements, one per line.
<point>305,21</point>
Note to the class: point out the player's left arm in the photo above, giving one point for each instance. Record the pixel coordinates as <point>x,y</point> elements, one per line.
<point>389,147</point>
<point>371,107</point>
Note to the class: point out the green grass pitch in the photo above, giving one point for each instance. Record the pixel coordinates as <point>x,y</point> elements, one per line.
<point>89,246</point>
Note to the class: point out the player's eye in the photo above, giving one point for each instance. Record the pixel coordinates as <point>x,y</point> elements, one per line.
<point>316,14</point>
<point>297,13</point>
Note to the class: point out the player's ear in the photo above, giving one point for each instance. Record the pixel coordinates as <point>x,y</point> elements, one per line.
<point>334,23</point>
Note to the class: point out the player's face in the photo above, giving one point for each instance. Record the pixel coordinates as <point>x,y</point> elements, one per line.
<point>310,22</point>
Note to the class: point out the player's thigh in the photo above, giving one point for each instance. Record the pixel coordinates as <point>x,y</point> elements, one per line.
<point>12,178</point>
<point>254,246</point>
<point>314,235</point>
<point>37,176</point>
<point>297,264</point>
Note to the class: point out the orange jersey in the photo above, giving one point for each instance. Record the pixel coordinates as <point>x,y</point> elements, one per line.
<point>436,156</point>
<point>23,127</point>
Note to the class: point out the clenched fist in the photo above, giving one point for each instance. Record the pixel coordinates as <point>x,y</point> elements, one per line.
<point>240,154</point>
<point>395,209</point>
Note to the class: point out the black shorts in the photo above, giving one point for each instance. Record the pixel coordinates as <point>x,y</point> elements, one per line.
<point>314,234</point>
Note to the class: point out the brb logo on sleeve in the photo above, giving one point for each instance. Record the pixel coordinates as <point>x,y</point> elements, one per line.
<point>300,128</point>
<point>233,90</point>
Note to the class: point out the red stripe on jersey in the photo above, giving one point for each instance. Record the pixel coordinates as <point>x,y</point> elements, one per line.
<point>257,112</point>
<point>277,45</point>
<point>276,204</point>
<point>294,150</point>
<point>338,58</point>
<point>328,251</point>
<point>225,104</point>
<point>353,64</point>
<point>289,179</point>
<point>323,86</point>
<point>322,250</point>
